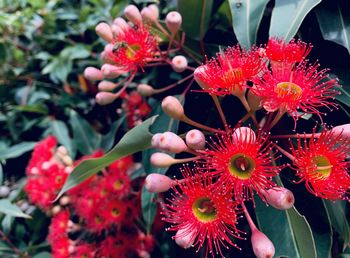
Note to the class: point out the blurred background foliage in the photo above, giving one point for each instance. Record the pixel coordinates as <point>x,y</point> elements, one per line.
<point>44,48</point>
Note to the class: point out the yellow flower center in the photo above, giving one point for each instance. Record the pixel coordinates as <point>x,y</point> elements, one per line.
<point>118,184</point>
<point>115,212</point>
<point>292,90</point>
<point>324,166</point>
<point>131,51</point>
<point>204,209</point>
<point>241,166</point>
<point>232,78</point>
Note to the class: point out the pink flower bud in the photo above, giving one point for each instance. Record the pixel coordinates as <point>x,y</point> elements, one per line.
<point>117,31</point>
<point>121,23</point>
<point>173,21</point>
<point>108,48</point>
<point>64,200</point>
<point>93,74</point>
<point>133,14</point>
<point>254,101</point>
<point>172,107</point>
<point>104,31</point>
<point>279,198</point>
<point>105,98</point>
<point>195,139</point>
<point>157,183</point>
<point>200,70</point>
<point>179,63</point>
<point>145,90</point>
<point>150,13</point>
<point>106,86</point>
<point>262,245</point>
<point>184,239</point>
<point>171,142</point>
<point>343,130</point>
<point>245,134</point>
<point>111,71</point>
<point>161,160</point>
<point>155,140</point>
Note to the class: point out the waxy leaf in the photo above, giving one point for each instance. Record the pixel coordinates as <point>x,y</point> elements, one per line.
<point>195,16</point>
<point>137,139</point>
<point>246,17</point>
<point>16,150</point>
<point>10,209</point>
<point>288,15</point>
<point>60,131</point>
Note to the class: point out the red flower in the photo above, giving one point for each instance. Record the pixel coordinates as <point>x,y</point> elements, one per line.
<point>115,247</point>
<point>84,250</point>
<point>114,211</point>
<point>133,48</point>
<point>204,216</point>
<point>229,73</point>
<point>58,236</point>
<point>322,164</point>
<point>278,50</point>
<point>301,88</point>
<point>242,161</point>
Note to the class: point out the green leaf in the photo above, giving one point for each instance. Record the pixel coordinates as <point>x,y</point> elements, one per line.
<point>290,232</point>
<point>60,131</point>
<point>137,139</point>
<point>336,27</point>
<point>10,209</point>
<point>42,255</point>
<point>16,150</point>
<point>246,17</point>
<point>77,51</point>
<point>149,207</point>
<point>336,213</point>
<point>194,14</point>
<point>108,139</point>
<point>85,137</point>
<point>288,15</point>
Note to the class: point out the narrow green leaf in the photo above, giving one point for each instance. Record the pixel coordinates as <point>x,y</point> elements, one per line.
<point>108,139</point>
<point>86,138</point>
<point>246,17</point>
<point>1,175</point>
<point>137,139</point>
<point>288,15</point>
<point>16,150</point>
<point>336,27</point>
<point>338,219</point>
<point>10,209</point>
<point>195,16</point>
<point>60,131</point>
<point>149,207</point>
<point>42,255</point>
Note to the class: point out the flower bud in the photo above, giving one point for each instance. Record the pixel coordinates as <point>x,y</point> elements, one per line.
<point>245,134</point>
<point>195,139</point>
<point>56,209</point>
<point>4,191</point>
<point>150,13</point>
<point>254,101</point>
<point>111,71</point>
<point>145,90</point>
<point>121,23</point>
<point>62,150</point>
<point>157,183</point>
<point>279,198</point>
<point>161,160</point>
<point>105,98</point>
<point>117,31</point>
<point>173,21</point>
<point>184,239</point>
<point>133,14</point>
<point>171,142</point>
<point>197,72</point>
<point>104,31</point>
<point>172,107</point>
<point>108,48</point>
<point>155,140</point>
<point>179,63</point>
<point>262,245</point>
<point>106,86</point>
<point>343,130</point>
<point>64,200</point>
<point>93,74</point>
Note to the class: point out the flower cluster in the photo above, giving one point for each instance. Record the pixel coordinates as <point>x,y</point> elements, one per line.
<point>103,210</point>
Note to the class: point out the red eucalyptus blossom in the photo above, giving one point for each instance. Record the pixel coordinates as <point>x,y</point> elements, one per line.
<point>201,215</point>
<point>230,71</point>
<point>322,164</point>
<point>243,162</point>
<point>58,235</point>
<point>132,49</point>
<point>301,88</point>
